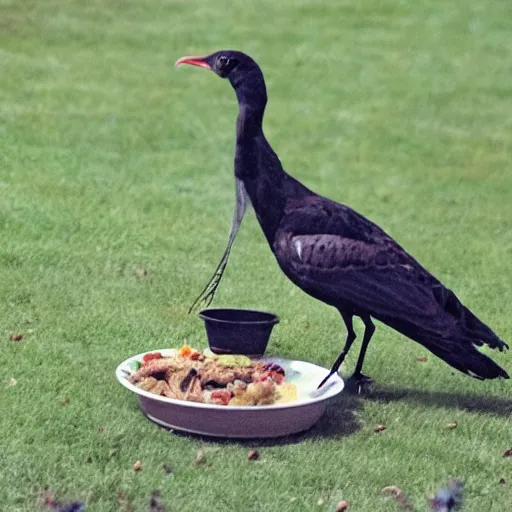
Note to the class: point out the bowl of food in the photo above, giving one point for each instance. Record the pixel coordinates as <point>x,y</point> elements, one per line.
<point>228,395</point>
<point>238,331</point>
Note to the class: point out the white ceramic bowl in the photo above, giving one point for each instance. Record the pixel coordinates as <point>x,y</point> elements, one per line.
<point>262,421</point>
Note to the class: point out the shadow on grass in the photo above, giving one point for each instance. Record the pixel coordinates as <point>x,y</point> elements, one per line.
<point>471,403</point>
<point>339,420</point>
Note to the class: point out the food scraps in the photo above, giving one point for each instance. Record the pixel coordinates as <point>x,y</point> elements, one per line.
<point>205,377</point>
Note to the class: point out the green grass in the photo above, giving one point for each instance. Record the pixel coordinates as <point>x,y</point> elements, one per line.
<point>111,161</point>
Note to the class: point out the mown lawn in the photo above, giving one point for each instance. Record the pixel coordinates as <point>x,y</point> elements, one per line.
<point>111,162</point>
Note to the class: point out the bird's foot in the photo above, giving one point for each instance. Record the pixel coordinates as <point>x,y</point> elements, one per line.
<point>359,384</point>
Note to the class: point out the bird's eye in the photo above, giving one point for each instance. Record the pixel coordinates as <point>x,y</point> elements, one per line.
<point>223,61</point>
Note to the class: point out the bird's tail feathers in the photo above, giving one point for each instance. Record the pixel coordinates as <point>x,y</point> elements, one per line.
<point>457,347</point>
<point>465,357</point>
<point>472,328</point>
<point>479,331</point>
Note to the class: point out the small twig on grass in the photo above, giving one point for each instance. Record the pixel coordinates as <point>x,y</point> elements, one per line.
<point>399,496</point>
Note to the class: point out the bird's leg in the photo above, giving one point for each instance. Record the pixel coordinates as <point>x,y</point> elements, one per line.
<point>367,336</point>
<point>351,336</point>
<point>357,378</point>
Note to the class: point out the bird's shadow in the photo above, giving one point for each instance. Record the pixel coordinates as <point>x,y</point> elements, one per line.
<point>340,420</point>
<point>492,405</point>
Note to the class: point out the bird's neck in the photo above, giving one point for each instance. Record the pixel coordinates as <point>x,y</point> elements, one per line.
<point>251,108</point>
<point>250,140</point>
<point>259,168</point>
<point>249,123</point>
<point>263,177</point>
<point>251,94</point>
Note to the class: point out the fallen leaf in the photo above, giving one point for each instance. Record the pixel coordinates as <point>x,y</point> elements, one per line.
<point>508,453</point>
<point>154,503</point>
<point>342,505</point>
<point>199,456</point>
<point>391,489</point>
<point>253,455</point>
<point>399,495</point>
<point>422,359</point>
<point>15,337</point>
<point>137,466</point>
<point>379,428</point>
<point>502,481</point>
<point>12,382</point>
<point>452,425</point>
<point>141,273</point>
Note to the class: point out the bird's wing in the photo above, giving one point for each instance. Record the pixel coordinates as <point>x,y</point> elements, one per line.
<point>378,278</point>
<point>314,214</point>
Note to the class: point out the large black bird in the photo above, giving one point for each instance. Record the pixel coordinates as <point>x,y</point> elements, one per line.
<point>335,254</point>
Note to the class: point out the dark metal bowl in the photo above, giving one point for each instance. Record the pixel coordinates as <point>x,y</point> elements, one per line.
<point>238,331</point>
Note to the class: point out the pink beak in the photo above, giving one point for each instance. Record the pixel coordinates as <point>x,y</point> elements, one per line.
<point>193,61</point>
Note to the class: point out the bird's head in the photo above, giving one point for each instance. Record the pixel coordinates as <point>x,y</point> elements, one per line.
<point>225,63</point>
<point>240,69</point>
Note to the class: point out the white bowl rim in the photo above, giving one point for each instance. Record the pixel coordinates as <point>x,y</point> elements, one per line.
<point>332,388</point>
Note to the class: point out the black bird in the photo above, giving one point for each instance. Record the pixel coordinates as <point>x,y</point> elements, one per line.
<point>335,254</point>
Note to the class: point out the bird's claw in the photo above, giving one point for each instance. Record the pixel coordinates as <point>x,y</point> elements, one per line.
<point>359,384</point>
